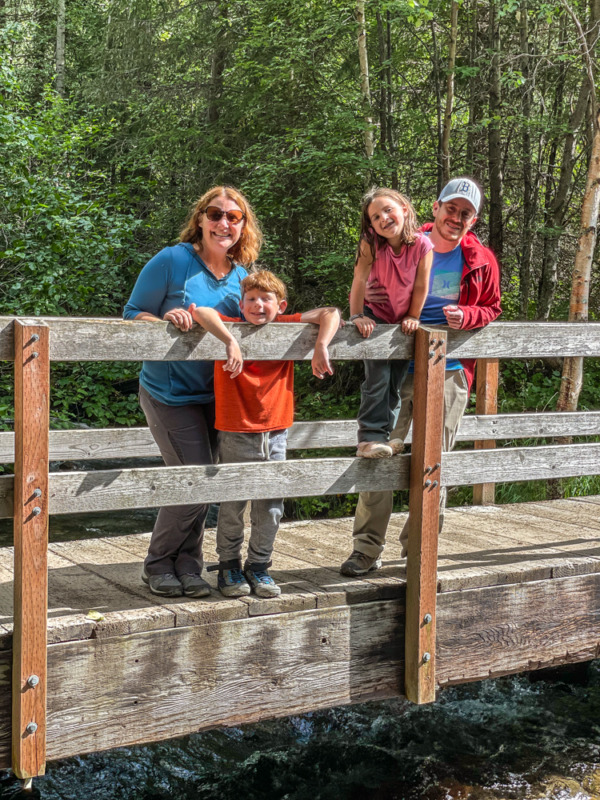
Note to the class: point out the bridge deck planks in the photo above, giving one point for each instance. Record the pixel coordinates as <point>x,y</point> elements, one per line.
<point>494,562</point>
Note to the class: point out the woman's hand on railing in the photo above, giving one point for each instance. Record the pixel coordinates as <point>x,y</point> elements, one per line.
<point>180,317</point>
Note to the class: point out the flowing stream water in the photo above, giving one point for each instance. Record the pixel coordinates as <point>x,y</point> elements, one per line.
<point>509,738</point>
<point>505,739</point>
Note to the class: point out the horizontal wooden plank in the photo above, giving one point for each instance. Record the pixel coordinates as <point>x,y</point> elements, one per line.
<point>114,443</point>
<point>111,339</point>
<point>511,464</point>
<point>499,630</point>
<point>101,490</point>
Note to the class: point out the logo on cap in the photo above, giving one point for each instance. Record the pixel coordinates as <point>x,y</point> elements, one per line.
<point>464,187</point>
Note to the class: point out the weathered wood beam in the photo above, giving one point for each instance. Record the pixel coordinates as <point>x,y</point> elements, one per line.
<point>424,503</point>
<point>32,387</point>
<point>114,443</point>
<point>124,690</point>
<point>106,490</point>
<point>86,339</point>
<point>486,403</point>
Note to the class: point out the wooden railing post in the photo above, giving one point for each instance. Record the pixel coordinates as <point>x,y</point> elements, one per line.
<point>425,471</point>
<point>484,494</point>
<point>32,383</point>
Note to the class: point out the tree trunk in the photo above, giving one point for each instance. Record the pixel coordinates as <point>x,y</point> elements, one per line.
<point>449,93</point>
<point>474,83</point>
<point>383,88</point>
<point>438,98</point>
<point>364,77</point>
<point>572,374</point>
<point>494,138</point>
<point>60,48</point>
<point>390,101</point>
<point>556,213</point>
<point>528,201</point>
<point>217,66</point>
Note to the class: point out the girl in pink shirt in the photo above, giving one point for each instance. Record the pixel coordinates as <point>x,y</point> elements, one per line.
<point>395,255</point>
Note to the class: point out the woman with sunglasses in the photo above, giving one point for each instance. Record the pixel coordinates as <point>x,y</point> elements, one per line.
<point>220,238</point>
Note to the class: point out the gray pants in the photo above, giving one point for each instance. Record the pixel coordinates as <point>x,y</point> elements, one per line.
<point>380,396</point>
<point>265,515</point>
<point>375,508</point>
<point>184,435</point>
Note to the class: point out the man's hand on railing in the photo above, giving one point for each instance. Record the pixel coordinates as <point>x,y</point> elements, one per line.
<point>454,316</point>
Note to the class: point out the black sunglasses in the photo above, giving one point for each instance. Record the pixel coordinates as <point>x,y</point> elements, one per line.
<point>215,214</point>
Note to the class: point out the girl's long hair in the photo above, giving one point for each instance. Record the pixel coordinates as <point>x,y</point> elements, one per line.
<point>368,235</point>
<point>245,251</point>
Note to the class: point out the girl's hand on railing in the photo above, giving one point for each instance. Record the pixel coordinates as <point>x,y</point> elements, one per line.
<point>409,324</point>
<point>181,318</point>
<point>235,360</point>
<point>365,326</point>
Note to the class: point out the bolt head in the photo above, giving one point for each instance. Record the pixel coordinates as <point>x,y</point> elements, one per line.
<point>32,727</point>
<point>36,511</point>
<point>426,657</point>
<point>33,680</point>
<point>427,619</point>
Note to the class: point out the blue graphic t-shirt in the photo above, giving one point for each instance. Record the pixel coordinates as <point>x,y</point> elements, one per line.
<point>444,290</point>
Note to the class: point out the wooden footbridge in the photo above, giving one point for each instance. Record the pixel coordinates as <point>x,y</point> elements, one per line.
<point>506,589</point>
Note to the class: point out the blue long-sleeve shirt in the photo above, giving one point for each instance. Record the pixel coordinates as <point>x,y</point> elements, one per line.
<point>174,278</point>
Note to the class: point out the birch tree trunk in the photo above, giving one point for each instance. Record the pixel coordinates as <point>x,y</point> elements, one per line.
<point>572,374</point>
<point>60,48</point>
<point>438,98</point>
<point>364,77</point>
<point>449,93</point>
<point>383,88</point>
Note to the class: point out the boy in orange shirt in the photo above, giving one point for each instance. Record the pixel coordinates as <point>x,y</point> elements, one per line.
<point>254,409</point>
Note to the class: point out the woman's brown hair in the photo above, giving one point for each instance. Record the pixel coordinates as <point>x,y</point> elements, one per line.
<point>368,235</point>
<point>245,251</point>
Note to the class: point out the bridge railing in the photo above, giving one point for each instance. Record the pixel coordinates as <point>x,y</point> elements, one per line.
<point>32,494</point>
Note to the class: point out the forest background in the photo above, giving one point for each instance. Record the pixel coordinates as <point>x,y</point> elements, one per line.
<point>115,115</point>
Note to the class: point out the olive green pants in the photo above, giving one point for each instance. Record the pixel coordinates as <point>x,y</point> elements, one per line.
<point>374,509</point>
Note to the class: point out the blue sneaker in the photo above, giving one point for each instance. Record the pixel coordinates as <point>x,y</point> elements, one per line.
<point>261,582</point>
<point>231,581</point>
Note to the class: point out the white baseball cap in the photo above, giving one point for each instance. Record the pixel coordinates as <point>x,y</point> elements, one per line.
<point>461,187</point>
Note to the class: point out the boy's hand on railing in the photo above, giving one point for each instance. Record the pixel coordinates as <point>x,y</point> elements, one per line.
<point>321,364</point>
<point>409,324</point>
<point>365,326</point>
<point>235,360</point>
<point>180,317</point>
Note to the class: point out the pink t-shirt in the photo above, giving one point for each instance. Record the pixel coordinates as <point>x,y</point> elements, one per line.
<point>397,274</point>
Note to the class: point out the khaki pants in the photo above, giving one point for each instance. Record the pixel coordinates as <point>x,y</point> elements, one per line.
<point>374,509</point>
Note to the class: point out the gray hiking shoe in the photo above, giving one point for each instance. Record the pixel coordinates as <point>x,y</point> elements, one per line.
<point>167,584</point>
<point>360,564</point>
<point>194,585</point>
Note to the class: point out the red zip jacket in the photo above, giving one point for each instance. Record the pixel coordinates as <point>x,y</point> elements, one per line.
<point>479,298</point>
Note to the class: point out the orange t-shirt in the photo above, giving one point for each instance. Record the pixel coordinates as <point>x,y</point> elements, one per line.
<point>261,398</point>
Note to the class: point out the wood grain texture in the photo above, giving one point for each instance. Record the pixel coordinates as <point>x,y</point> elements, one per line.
<point>520,464</point>
<point>32,388</point>
<point>86,339</point>
<point>421,566</point>
<point>158,486</point>
<point>115,443</point>
<point>506,629</point>
<point>486,403</point>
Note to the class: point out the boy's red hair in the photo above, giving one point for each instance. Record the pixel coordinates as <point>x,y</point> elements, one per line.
<point>264,281</point>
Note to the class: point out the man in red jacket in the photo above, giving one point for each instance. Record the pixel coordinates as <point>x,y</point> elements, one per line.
<point>464,293</point>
